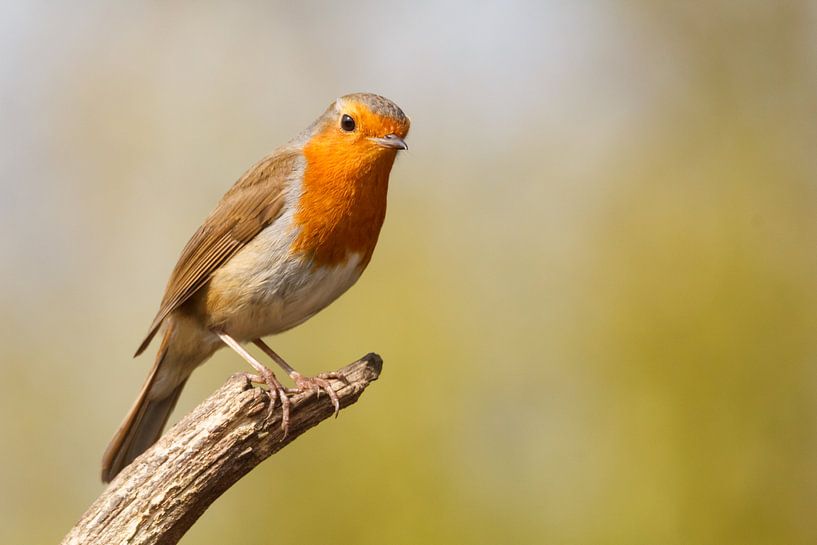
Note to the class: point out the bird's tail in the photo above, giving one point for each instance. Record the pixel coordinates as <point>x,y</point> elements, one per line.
<point>146,419</point>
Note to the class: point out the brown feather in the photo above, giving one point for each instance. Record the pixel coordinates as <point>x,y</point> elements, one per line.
<point>144,422</point>
<point>254,202</point>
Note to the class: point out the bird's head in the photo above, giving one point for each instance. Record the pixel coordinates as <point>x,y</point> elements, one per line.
<point>363,128</point>
<point>367,119</point>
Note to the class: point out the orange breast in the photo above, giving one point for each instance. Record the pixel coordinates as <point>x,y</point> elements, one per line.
<point>343,202</point>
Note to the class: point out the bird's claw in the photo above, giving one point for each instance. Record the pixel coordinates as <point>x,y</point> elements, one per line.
<point>276,392</point>
<point>318,384</point>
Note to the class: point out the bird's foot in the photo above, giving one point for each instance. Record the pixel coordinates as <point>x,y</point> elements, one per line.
<point>276,392</point>
<point>318,384</point>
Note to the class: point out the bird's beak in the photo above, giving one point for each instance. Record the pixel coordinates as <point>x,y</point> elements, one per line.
<point>391,141</point>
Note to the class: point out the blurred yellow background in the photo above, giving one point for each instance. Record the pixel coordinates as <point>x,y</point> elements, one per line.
<point>595,292</point>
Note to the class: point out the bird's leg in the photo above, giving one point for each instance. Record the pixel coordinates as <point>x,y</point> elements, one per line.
<point>318,383</point>
<point>265,376</point>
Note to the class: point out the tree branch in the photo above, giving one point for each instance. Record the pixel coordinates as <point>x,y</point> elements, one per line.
<point>158,497</point>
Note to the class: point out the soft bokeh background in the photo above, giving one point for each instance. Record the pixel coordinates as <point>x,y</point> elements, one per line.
<point>595,292</point>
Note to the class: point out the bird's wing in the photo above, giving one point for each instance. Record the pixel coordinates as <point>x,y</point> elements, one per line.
<point>254,202</point>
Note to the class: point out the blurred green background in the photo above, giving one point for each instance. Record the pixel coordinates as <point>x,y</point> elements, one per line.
<point>595,292</point>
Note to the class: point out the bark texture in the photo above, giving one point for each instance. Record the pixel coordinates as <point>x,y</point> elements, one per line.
<point>158,497</point>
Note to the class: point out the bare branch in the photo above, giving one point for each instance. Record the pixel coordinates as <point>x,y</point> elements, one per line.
<point>157,498</point>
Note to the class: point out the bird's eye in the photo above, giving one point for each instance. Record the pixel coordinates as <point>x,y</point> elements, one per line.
<point>347,123</point>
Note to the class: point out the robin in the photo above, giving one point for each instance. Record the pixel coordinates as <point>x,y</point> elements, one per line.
<point>293,233</point>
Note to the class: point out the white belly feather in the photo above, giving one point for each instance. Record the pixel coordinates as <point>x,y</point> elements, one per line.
<point>272,290</point>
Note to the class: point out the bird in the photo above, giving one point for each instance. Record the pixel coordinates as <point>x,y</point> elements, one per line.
<point>287,239</point>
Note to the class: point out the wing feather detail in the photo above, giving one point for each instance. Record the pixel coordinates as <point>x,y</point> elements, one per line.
<point>253,203</point>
